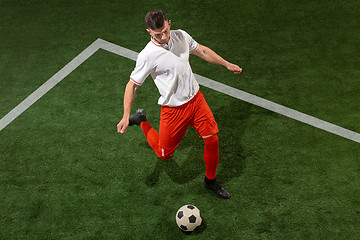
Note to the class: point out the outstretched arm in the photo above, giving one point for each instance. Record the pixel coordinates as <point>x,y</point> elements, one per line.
<point>129,97</point>
<point>210,56</point>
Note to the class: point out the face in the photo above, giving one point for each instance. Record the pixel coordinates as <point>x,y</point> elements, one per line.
<point>161,35</point>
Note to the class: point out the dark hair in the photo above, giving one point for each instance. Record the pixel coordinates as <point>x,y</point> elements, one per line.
<point>155,19</point>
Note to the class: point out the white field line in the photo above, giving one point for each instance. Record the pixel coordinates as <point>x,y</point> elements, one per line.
<point>236,93</point>
<point>49,84</point>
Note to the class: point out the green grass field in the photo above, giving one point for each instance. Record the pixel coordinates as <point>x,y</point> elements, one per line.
<point>65,173</point>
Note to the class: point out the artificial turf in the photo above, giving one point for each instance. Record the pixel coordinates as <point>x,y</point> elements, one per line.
<point>66,174</point>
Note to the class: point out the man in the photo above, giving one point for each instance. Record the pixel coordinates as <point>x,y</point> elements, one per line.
<point>166,59</point>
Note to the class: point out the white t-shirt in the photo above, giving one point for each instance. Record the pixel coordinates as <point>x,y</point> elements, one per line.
<point>168,64</point>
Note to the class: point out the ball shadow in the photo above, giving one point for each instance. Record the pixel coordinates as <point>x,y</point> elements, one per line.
<point>197,231</point>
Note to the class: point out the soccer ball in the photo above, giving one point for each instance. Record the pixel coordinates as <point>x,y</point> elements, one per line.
<point>188,217</point>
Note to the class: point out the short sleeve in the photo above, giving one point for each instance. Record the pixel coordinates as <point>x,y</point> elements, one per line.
<point>193,45</point>
<point>141,71</point>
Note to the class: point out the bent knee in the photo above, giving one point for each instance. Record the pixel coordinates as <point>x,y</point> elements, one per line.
<point>165,155</point>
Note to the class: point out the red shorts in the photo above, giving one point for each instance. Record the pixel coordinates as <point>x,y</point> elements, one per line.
<point>174,121</point>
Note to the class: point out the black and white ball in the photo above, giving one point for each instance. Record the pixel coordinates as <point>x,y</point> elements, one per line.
<point>188,217</point>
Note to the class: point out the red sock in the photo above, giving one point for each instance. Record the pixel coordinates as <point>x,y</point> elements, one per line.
<point>152,136</point>
<point>211,155</point>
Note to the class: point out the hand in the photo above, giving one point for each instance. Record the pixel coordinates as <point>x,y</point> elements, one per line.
<point>234,68</point>
<point>122,125</point>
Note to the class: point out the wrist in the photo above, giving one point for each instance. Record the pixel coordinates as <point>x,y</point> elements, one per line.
<point>126,117</point>
<point>227,64</point>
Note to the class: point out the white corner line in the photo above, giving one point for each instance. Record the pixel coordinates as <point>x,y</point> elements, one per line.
<point>49,84</point>
<point>230,91</point>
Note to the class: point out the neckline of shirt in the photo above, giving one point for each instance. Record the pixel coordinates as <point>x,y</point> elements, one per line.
<point>163,45</point>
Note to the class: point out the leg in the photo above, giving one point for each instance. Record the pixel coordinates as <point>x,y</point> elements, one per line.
<point>211,155</point>
<point>174,123</point>
<point>211,158</point>
<point>206,126</point>
<point>152,137</point>
<point>171,132</point>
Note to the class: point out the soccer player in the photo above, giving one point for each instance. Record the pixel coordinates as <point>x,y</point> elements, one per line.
<point>166,59</point>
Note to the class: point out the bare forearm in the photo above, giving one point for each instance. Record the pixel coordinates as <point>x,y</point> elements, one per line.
<point>210,56</point>
<point>129,98</point>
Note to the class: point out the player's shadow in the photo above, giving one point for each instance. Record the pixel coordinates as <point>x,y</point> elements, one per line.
<point>188,162</point>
